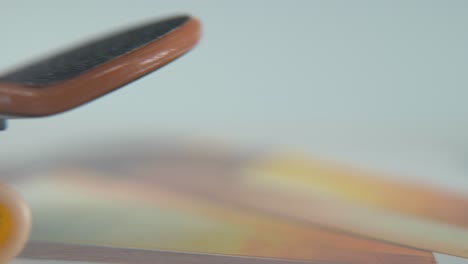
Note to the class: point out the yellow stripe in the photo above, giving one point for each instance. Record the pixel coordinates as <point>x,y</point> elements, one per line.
<point>352,201</point>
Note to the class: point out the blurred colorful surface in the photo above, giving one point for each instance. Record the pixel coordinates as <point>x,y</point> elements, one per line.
<point>210,199</point>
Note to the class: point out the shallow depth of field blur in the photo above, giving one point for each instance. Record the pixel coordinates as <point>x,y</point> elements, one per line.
<point>377,84</point>
<point>373,85</point>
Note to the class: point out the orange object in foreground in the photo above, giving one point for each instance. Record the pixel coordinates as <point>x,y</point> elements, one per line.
<point>15,223</point>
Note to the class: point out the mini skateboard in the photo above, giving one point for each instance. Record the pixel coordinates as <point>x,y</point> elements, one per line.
<point>74,77</point>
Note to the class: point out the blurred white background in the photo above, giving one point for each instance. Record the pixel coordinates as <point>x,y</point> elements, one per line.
<point>377,84</point>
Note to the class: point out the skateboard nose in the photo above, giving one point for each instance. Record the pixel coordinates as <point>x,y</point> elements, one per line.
<point>88,71</point>
<point>82,58</point>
